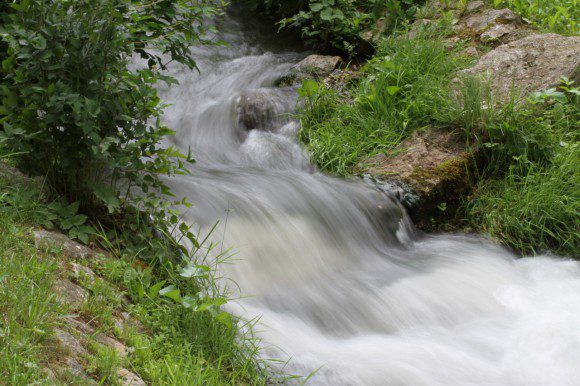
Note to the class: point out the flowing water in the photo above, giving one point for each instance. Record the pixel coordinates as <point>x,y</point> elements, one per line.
<point>334,268</point>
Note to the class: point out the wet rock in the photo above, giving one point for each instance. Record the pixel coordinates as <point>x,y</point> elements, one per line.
<point>130,379</point>
<point>319,65</point>
<point>48,239</point>
<point>431,164</point>
<point>70,343</point>
<point>533,63</point>
<point>70,293</point>
<point>312,67</point>
<point>80,327</point>
<point>480,22</point>
<point>470,52</point>
<point>75,351</point>
<point>265,109</point>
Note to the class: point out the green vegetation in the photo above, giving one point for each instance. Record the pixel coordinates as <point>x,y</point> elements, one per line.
<point>400,91</point>
<point>338,24</point>
<point>525,189</point>
<point>28,306</point>
<point>528,194</point>
<point>560,16</point>
<point>180,344</point>
<point>76,113</point>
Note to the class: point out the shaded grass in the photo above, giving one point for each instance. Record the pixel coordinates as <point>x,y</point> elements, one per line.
<point>534,212</point>
<point>528,195</point>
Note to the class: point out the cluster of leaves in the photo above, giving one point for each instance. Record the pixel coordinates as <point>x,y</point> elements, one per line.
<point>56,214</point>
<point>338,24</point>
<point>561,16</point>
<point>72,108</point>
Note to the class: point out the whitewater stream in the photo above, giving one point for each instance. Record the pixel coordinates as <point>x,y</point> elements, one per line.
<point>341,281</point>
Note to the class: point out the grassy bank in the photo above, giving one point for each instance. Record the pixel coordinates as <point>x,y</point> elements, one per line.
<point>399,91</point>
<point>524,189</point>
<point>169,344</point>
<point>75,112</point>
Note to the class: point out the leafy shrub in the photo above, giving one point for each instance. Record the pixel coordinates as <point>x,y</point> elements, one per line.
<point>338,23</point>
<point>72,109</point>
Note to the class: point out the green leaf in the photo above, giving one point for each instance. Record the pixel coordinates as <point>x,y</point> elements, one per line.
<point>199,271</point>
<point>316,7</point>
<point>392,90</point>
<point>155,289</point>
<point>107,195</point>
<point>171,292</point>
<point>308,89</point>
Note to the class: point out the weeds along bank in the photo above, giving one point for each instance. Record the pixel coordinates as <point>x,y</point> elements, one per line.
<point>520,152</point>
<point>75,315</point>
<point>75,113</point>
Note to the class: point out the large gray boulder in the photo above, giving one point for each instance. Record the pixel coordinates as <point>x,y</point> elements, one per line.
<point>265,109</point>
<point>533,63</point>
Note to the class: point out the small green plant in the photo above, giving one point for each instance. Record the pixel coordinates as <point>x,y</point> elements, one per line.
<point>104,363</point>
<point>101,302</point>
<point>69,220</point>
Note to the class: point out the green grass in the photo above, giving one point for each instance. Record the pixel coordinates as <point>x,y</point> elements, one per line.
<point>528,194</point>
<point>178,346</point>
<point>184,347</point>
<point>526,184</point>
<point>28,307</point>
<point>536,212</point>
<point>400,92</point>
<point>560,16</point>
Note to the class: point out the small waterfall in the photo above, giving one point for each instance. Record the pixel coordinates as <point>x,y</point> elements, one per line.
<point>333,267</point>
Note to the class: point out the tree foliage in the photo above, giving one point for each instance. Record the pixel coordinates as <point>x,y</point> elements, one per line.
<point>338,23</point>
<point>74,107</point>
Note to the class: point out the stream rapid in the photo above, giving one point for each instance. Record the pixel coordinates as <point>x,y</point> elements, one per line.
<point>341,281</point>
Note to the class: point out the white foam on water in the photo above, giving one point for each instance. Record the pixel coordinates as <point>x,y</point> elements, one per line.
<point>342,283</point>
